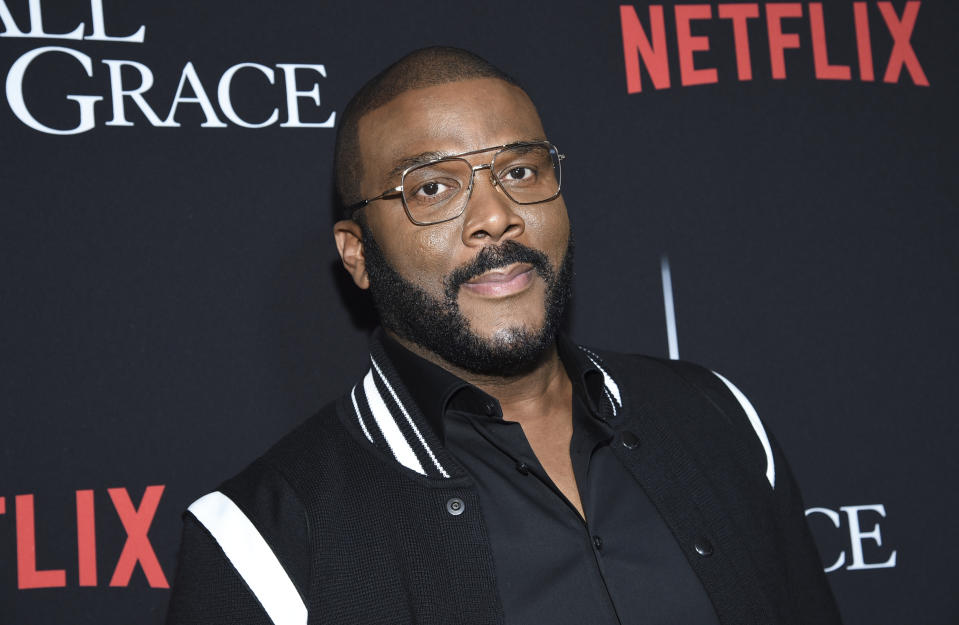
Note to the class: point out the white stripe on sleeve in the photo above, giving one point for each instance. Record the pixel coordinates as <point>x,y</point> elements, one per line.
<point>252,557</point>
<point>757,426</point>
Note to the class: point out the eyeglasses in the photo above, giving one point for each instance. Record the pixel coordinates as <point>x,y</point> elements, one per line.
<point>438,191</point>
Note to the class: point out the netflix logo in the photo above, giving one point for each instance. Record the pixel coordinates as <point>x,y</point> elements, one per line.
<point>137,549</point>
<point>644,41</point>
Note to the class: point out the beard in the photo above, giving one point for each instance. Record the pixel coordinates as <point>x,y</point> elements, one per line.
<point>439,326</point>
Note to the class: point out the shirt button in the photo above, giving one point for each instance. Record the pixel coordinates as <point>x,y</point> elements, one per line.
<point>703,547</point>
<point>522,467</point>
<point>598,542</point>
<point>630,440</point>
<point>455,506</point>
<point>490,408</point>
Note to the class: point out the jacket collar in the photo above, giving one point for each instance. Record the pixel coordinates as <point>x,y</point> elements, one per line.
<point>399,404</point>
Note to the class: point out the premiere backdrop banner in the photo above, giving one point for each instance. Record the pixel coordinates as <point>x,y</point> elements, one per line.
<point>766,188</point>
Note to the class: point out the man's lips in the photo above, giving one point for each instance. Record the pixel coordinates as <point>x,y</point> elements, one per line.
<point>502,281</point>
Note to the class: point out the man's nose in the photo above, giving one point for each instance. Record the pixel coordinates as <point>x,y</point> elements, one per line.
<point>490,215</point>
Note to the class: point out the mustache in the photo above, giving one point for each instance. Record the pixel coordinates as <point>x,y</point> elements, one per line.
<point>495,257</point>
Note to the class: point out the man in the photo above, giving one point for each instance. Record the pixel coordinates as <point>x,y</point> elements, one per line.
<point>486,469</point>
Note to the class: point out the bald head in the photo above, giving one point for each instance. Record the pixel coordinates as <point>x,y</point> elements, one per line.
<point>421,68</point>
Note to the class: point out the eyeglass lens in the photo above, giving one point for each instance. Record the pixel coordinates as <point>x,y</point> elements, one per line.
<point>439,191</point>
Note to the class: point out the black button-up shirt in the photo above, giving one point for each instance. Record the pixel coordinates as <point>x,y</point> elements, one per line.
<point>619,565</point>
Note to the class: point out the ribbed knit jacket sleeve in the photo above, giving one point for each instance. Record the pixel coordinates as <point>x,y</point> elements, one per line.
<point>207,588</point>
<point>804,593</point>
<point>244,555</point>
<point>812,597</point>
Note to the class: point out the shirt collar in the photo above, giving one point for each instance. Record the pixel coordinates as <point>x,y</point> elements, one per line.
<point>435,390</point>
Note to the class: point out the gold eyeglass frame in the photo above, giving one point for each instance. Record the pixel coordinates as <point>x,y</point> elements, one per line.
<point>353,208</point>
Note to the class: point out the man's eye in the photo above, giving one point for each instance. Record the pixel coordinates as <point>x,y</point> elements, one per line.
<point>433,191</point>
<point>431,188</point>
<point>519,173</point>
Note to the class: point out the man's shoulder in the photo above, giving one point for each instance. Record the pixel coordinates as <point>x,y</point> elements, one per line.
<point>689,399</point>
<point>651,374</point>
<point>272,486</point>
<point>276,470</point>
<point>270,501</point>
<point>320,433</point>
<point>314,450</point>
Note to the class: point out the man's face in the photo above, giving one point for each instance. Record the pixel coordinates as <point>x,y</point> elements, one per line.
<point>497,269</point>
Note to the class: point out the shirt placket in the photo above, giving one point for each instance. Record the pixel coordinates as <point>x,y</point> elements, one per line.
<point>508,437</point>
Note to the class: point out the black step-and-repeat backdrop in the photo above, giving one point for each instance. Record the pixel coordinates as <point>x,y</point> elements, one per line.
<point>767,188</point>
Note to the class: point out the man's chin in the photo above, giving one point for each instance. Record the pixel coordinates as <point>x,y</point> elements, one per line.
<point>507,352</point>
<point>508,337</point>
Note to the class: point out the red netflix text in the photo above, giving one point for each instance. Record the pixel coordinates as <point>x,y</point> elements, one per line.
<point>136,520</point>
<point>645,45</point>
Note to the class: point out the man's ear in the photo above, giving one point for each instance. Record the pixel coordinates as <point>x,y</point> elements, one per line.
<point>349,243</point>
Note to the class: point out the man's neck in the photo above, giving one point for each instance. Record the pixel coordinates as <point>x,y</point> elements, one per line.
<point>543,393</point>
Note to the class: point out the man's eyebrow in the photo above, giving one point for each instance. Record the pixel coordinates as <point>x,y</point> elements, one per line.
<point>412,161</point>
<point>426,157</point>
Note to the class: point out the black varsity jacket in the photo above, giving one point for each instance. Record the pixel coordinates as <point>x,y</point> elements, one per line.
<point>361,516</point>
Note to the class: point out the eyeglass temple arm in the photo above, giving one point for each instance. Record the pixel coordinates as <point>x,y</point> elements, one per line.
<point>362,203</point>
